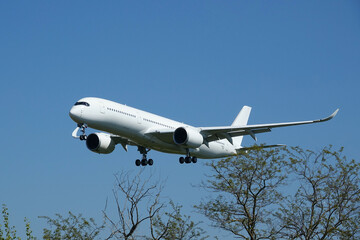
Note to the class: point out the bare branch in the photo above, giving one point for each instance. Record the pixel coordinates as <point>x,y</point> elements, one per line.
<point>137,194</point>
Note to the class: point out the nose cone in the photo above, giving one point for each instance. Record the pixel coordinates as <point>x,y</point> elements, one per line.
<point>75,114</point>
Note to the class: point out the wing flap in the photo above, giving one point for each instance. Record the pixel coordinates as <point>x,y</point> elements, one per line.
<point>217,136</point>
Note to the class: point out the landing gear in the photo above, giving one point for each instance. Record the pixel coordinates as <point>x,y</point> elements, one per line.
<point>144,161</point>
<point>137,162</point>
<point>80,127</point>
<point>187,159</point>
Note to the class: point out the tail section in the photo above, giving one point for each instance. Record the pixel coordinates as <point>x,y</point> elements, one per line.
<point>243,117</point>
<point>241,120</point>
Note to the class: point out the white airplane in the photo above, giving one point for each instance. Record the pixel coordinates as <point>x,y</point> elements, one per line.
<point>131,126</point>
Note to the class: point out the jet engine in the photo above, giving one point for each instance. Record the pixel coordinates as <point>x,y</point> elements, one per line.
<point>188,137</point>
<point>100,143</point>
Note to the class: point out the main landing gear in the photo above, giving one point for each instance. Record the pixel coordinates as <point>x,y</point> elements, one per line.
<point>187,159</point>
<point>144,161</point>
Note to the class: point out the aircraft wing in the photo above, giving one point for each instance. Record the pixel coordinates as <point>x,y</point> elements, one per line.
<point>217,133</point>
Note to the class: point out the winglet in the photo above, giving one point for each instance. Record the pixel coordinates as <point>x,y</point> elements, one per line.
<point>329,117</point>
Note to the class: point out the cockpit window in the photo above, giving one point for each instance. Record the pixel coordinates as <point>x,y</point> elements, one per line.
<point>82,103</point>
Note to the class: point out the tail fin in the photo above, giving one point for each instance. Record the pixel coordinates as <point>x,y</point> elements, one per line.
<point>243,117</point>
<point>241,120</point>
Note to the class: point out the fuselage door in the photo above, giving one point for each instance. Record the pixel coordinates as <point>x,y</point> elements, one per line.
<point>139,118</point>
<point>102,108</point>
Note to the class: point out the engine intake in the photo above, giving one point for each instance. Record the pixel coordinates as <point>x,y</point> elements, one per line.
<point>188,137</point>
<point>100,143</point>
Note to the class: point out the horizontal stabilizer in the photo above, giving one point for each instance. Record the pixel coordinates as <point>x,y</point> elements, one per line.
<point>244,149</point>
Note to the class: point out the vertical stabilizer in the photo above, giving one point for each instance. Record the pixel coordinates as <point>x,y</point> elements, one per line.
<point>241,120</point>
<point>243,117</point>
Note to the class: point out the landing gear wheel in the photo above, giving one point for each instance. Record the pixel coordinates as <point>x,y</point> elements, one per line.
<point>187,160</point>
<point>137,162</point>
<point>82,127</point>
<point>83,137</point>
<point>194,159</point>
<point>144,160</point>
<point>181,160</point>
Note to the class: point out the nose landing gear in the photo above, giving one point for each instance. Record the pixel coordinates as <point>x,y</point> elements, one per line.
<point>81,127</point>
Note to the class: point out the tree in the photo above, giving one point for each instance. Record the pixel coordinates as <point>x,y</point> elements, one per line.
<point>327,202</point>
<point>138,203</point>
<point>250,199</point>
<point>28,231</point>
<point>247,189</point>
<point>177,226</point>
<point>141,202</point>
<point>71,227</point>
<point>9,232</point>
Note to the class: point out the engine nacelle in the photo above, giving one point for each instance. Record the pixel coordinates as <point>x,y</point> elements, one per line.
<point>100,143</point>
<point>188,137</point>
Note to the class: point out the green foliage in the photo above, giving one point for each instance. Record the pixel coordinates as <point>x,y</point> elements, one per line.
<point>327,202</point>
<point>177,227</point>
<point>247,199</point>
<point>9,232</point>
<point>71,227</point>
<point>250,200</point>
<point>246,189</point>
<point>28,231</point>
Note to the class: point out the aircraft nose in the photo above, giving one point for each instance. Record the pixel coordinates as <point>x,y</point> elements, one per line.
<point>75,113</point>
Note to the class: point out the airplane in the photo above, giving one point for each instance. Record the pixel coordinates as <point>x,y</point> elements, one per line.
<point>129,126</point>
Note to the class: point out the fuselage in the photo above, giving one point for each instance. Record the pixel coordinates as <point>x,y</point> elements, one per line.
<point>135,124</point>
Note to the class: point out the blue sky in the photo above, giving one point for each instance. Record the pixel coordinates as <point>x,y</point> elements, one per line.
<point>197,62</point>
